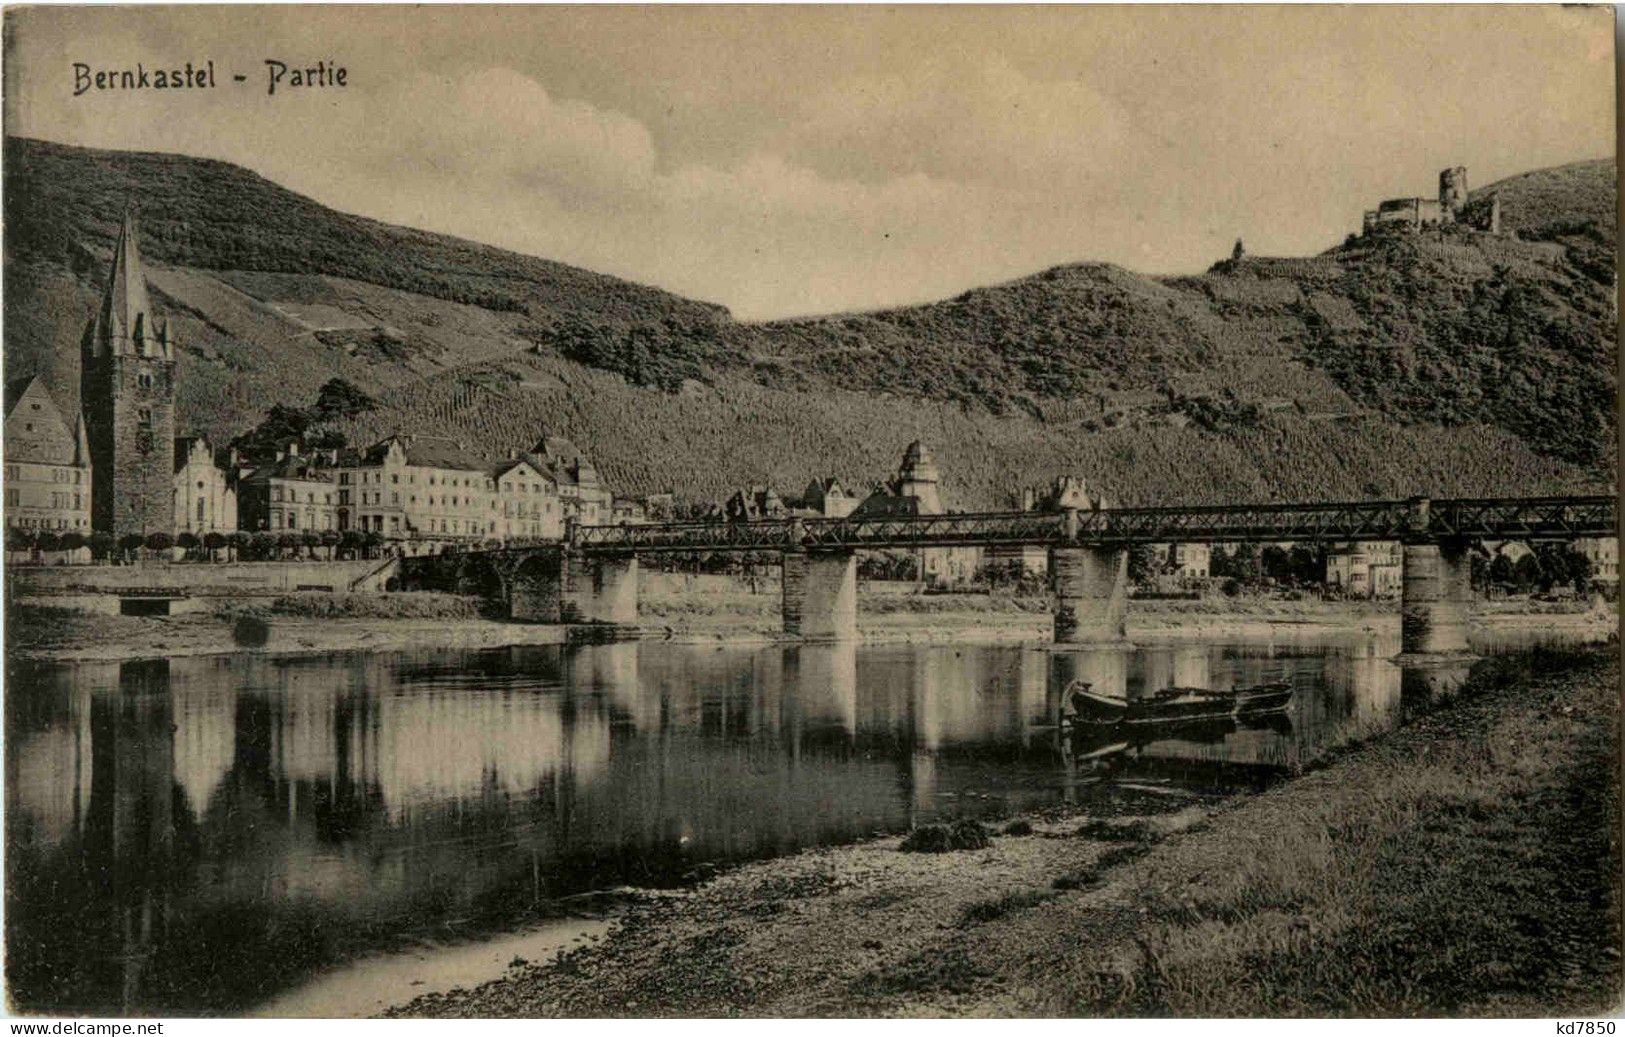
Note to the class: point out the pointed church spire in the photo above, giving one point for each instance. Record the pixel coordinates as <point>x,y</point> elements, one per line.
<point>125,322</point>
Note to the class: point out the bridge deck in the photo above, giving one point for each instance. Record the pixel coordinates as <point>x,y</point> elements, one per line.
<point>1527,518</point>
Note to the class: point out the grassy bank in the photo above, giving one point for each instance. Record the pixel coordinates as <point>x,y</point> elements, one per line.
<point>1466,864</point>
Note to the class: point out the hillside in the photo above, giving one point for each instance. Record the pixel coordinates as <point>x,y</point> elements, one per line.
<point>1448,363</point>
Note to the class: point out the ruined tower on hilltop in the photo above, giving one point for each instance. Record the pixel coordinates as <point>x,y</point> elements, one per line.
<point>127,393</point>
<point>1452,193</point>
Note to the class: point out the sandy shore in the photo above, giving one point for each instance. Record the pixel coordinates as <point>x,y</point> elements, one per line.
<point>1463,865</point>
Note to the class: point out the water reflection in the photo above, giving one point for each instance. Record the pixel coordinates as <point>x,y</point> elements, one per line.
<point>191,834</point>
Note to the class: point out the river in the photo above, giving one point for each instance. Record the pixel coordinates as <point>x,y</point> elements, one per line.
<point>194,835</point>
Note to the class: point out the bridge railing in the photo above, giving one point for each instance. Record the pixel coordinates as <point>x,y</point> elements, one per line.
<point>1488,518</point>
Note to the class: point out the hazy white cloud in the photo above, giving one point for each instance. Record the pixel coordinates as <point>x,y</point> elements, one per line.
<point>795,160</point>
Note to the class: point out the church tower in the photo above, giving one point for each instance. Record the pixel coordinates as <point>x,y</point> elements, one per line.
<point>127,394</point>
<point>919,478</point>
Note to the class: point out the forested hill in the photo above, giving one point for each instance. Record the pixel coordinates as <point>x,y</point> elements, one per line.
<point>1443,363</point>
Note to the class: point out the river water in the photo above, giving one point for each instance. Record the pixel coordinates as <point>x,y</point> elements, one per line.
<point>192,835</point>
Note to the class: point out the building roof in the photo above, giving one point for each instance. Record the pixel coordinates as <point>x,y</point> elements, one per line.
<point>55,440</point>
<point>427,452</point>
<point>293,466</point>
<point>507,466</point>
<point>884,503</point>
<point>126,318</point>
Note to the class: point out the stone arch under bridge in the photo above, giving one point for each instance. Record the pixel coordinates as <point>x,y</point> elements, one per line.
<point>478,573</point>
<point>536,587</point>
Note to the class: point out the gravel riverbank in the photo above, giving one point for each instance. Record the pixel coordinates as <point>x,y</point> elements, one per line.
<point>1465,864</point>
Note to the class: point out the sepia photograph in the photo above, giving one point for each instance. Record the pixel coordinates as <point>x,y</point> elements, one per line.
<point>828,511</point>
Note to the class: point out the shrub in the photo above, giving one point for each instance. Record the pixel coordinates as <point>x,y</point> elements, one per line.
<point>941,838</point>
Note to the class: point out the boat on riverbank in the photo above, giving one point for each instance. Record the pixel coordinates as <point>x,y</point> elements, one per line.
<point>1174,705</point>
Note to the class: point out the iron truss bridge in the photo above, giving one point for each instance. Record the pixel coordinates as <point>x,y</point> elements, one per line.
<point>1416,520</point>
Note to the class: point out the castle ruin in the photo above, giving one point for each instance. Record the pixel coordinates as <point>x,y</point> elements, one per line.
<point>1451,207</point>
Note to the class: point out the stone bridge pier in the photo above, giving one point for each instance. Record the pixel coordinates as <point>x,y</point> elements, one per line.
<point>560,585</point>
<point>820,595</point>
<point>601,589</point>
<point>1091,595</point>
<point>1435,591</point>
<point>1436,595</point>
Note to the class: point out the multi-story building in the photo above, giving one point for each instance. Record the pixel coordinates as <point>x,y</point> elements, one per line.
<point>294,492</point>
<point>530,505</point>
<point>916,491</point>
<point>205,496</point>
<point>586,500</point>
<point>1189,563</point>
<point>48,467</point>
<point>1365,570</point>
<point>418,488</point>
<point>827,498</point>
<point>1064,494</point>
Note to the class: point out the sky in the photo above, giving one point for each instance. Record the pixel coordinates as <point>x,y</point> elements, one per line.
<point>802,160</point>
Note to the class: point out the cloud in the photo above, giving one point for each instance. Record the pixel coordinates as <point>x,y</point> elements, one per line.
<point>982,121</point>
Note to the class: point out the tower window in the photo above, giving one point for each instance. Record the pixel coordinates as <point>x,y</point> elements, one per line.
<point>144,380</point>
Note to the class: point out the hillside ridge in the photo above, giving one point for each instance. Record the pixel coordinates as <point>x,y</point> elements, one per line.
<point>1502,346</point>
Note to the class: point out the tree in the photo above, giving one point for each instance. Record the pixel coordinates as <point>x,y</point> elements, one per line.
<point>189,543</point>
<point>1309,565</point>
<point>1526,572</point>
<point>287,542</point>
<point>351,542</point>
<point>340,399</point>
<point>19,539</point>
<point>330,539</point>
<point>261,544</point>
<point>72,540</point>
<point>1143,564</point>
<point>236,541</point>
<point>1501,571</point>
<point>213,541</point>
<point>1580,569</point>
<point>47,540</point>
<point>129,543</point>
<point>1275,563</point>
<point>159,541</point>
<point>101,544</point>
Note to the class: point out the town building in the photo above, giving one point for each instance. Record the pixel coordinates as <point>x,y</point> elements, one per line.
<point>114,465</point>
<point>1187,564</point>
<point>827,498</point>
<point>205,495</point>
<point>628,511</point>
<point>426,488</point>
<point>531,508</point>
<point>294,492</point>
<point>916,491</point>
<point>1372,569</point>
<point>755,504</point>
<point>48,467</point>
<point>585,499</point>
<point>127,393</point>
<point>1065,493</point>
